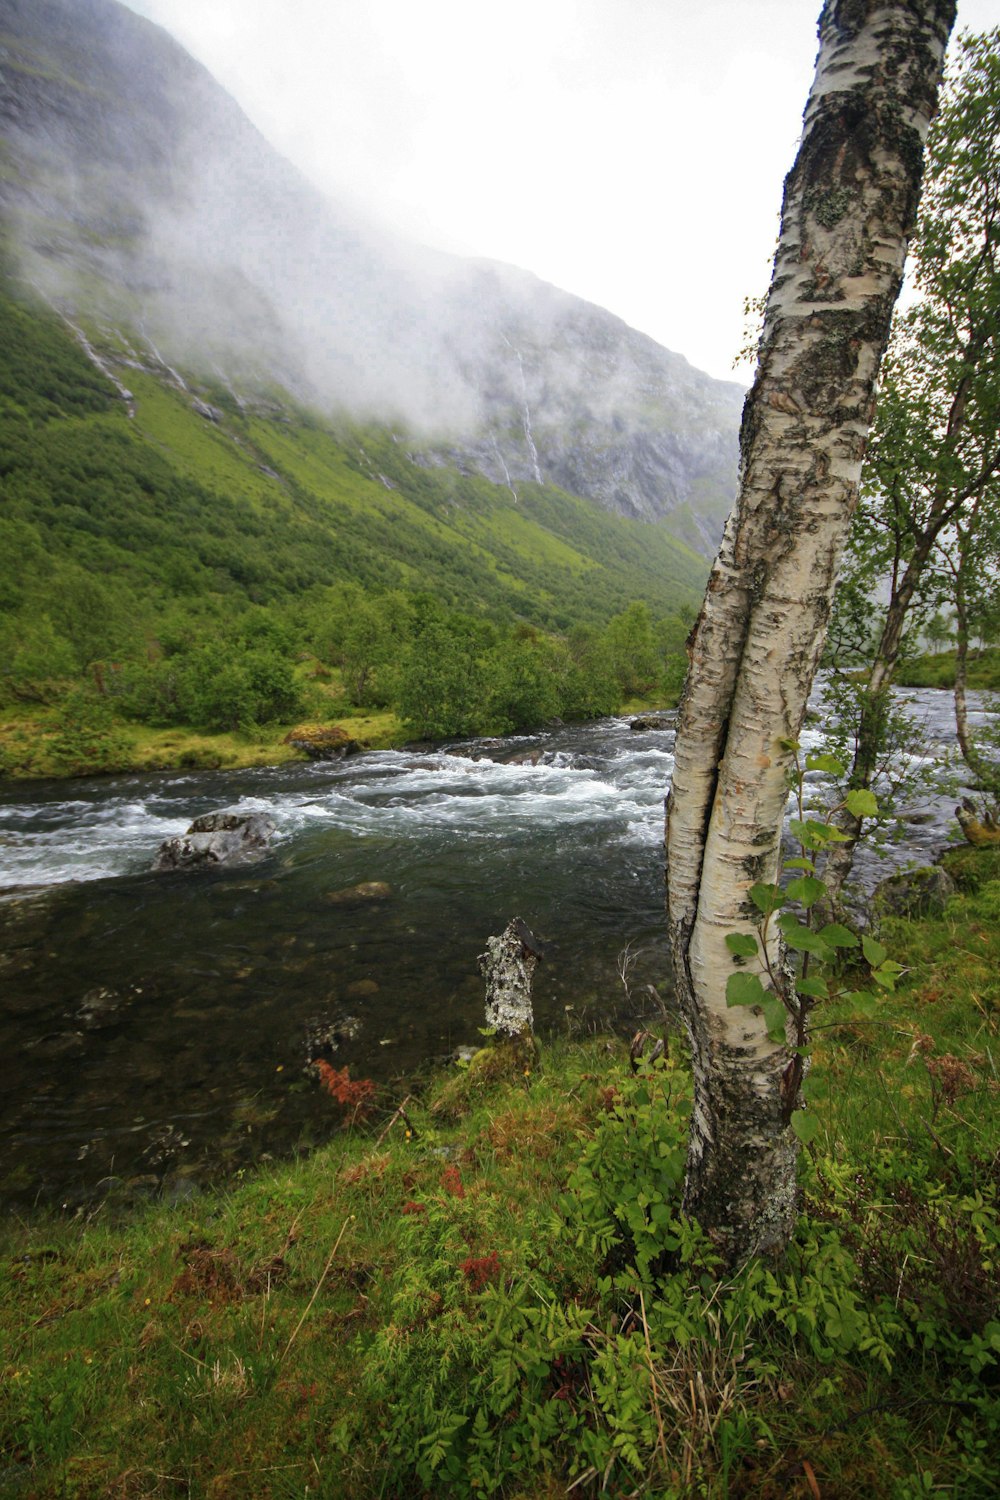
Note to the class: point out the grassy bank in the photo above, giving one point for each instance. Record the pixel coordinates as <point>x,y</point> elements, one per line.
<point>53,743</point>
<point>49,742</point>
<point>936,669</point>
<point>494,1293</point>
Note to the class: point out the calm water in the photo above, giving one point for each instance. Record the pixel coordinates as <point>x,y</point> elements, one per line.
<point>157,1027</point>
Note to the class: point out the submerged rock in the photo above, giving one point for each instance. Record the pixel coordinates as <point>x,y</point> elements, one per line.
<point>101,1007</point>
<point>365,890</point>
<point>326,1034</point>
<point>217,838</point>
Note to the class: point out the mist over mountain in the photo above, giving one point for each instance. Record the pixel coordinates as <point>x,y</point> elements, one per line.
<point>143,199</point>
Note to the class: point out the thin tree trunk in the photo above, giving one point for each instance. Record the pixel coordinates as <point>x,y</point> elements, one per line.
<point>987,774</point>
<point>850,202</point>
<point>840,857</point>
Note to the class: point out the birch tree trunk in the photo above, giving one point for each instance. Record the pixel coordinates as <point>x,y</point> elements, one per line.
<point>850,203</point>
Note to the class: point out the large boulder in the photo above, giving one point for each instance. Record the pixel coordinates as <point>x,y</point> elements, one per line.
<point>217,838</point>
<point>322,741</point>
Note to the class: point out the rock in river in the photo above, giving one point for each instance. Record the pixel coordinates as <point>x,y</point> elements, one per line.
<point>322,741</point>
<point>217,838</point>
<point>653,721</point>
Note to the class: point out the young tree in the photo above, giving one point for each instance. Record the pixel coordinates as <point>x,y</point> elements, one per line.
<point>973,560</point>
<point>934,458</point>
<point>850,201</point>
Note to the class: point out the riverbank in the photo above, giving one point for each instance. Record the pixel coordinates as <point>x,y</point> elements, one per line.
<point>936,669</point>
<point>47,743</point>
<point>51,744</point>
<point>458,1298</point>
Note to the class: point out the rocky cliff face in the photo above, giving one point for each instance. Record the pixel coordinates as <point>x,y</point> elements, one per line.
<point>141,197</point>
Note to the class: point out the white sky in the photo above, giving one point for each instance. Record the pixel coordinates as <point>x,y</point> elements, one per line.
<point>630,151</point>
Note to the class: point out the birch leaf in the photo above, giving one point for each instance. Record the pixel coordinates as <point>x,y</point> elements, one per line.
<point>862,803</point>
<point>838,936</point>
<point>805,1125</point>
<point>806,890</point>
<point>766,897</point>
<point>744,989</point>
<point>874,952</point>
<point>828,763</point>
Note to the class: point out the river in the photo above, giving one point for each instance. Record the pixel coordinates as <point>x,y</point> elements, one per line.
<point>156,1028</point>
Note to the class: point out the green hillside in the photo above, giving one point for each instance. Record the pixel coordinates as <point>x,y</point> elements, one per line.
<point>194,520</point>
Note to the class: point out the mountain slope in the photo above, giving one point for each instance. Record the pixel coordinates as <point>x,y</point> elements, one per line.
<point>143,198</point>
<point>195,497</point>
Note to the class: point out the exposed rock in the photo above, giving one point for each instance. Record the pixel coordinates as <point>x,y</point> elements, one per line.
<point>322,741</point>
<point>652,721</point>
<point>210,413</point>
<point>365,890</point>
<point>914,893</point>
<point>218,838</point>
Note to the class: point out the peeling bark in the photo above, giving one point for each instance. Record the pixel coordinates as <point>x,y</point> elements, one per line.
<point>850,202</point>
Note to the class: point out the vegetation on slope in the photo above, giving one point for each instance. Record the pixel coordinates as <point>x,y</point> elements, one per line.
<point>472,1296</point>
<point>209,563</point>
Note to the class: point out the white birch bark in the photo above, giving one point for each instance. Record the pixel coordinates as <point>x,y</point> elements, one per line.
<point>850,202</point>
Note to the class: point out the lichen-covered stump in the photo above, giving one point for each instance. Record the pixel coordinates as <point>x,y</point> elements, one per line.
<point>980,825</point>
<point>508,966</point>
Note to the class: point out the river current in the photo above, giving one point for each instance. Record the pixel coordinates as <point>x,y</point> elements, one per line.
<point>156,1028</point>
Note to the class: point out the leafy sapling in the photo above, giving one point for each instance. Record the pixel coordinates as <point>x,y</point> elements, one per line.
<point>787,965</point>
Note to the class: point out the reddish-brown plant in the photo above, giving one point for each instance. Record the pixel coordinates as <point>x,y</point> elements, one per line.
<point>480,1270</point>
<point>355,1095</point>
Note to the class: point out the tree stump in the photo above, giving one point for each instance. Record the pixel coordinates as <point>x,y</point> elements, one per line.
<point>980,826</point>
<point>508,966</point>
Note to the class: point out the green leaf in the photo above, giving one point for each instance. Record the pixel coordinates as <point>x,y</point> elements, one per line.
<point>775,1017</point>
<point>766,897</point>
<point>800,864</point>
<point>814,834</point>
<point>800,937</point>
<point>874,952</point>
<point>838,936</point>
<point>744,989</point>
<point>805,1125</point>
<point>806,890</point>
<point>861,803</point>
<point>815,988</point>
<point>743,944</point>
<point>788,745</point>
<point>824,763</point>
<point>863,1003</point>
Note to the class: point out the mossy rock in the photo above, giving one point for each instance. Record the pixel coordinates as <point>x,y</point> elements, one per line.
<point>970,867</point>
<point>914,893</point>
<point>322,741</point>
<point>506,1061</point>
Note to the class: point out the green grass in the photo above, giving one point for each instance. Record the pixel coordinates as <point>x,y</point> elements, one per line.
<point>937,669</point>
<point>469,1298</point>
